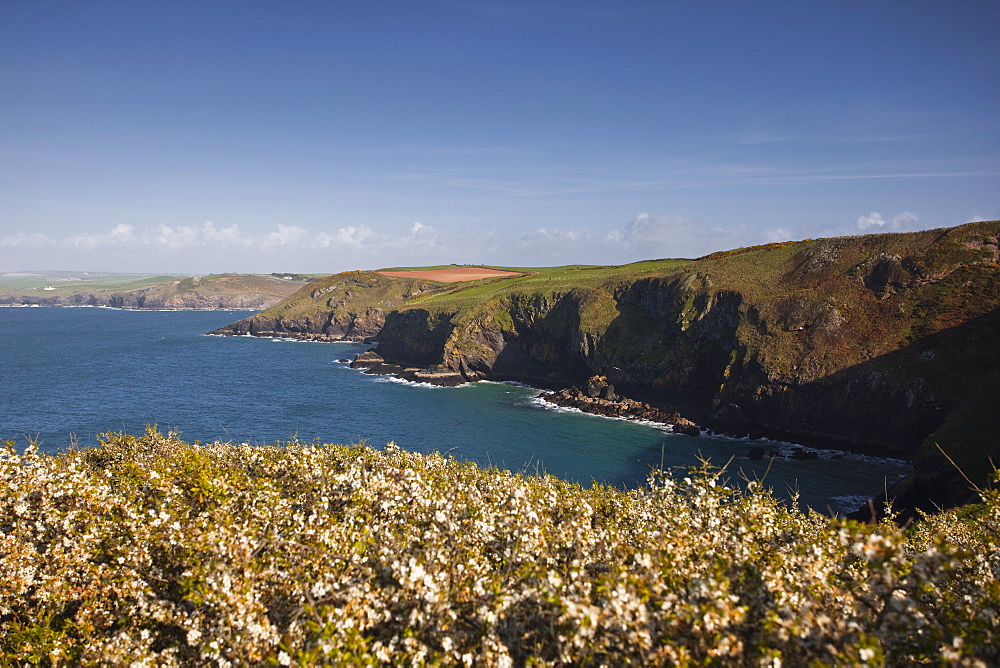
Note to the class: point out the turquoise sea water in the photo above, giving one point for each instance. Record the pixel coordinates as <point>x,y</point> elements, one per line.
<point>71,373</point>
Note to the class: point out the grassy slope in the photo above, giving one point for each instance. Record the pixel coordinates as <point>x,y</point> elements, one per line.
<point>68,283</point>
<point>541,280</point>
<point>773,271</point>
<point>780,279</point>
<point>786,282</point>
<point>354,291</point>
<point>311,301</point>
<point>105,286</point>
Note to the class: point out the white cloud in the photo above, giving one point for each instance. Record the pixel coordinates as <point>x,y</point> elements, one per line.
<point>876,222</point>
<point>286,235</point>
<point>644,237</point>
<point>345,236</point>
<point>776,235</point>
<point>186,236</point>
<point>661,229</point>
<point>546,235</point>
<point>22,240</point>
<point>905,221</point>
<point>181,237</point>
<point>229,234</point>
<point>120,234</point>
<point>206,247</point>
<point>872,220</point>
<point>417,227</point>
<point>672,235</point>
<point>979,217</point>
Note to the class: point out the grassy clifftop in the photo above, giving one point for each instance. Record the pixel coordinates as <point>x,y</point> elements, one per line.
<point>133,291</point>
<point>881,343</point>
<point>150,551</point>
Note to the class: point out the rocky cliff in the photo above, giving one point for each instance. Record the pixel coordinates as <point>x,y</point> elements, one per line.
<point>222,291</point>
<point>351,306</point>
<point>884,344</point>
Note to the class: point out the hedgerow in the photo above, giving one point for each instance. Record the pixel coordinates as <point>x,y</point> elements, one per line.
<point>149,551</point>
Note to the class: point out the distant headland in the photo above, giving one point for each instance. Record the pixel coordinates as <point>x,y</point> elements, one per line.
<point>147,291</point>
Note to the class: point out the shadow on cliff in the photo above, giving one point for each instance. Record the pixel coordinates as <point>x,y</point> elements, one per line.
<point>671,344</point>
<point>547,351</point>
<point>886,405</point>
<point>414,338</point>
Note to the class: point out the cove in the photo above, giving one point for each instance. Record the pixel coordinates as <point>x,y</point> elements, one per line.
<point>69,374</point>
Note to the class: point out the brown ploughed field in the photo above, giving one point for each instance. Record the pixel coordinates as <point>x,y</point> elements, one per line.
<point>451,275</point>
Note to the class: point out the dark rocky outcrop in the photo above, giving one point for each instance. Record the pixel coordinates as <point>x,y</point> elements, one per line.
<point>574,397</point>
<point>373,363</point>
<point>685,426</point>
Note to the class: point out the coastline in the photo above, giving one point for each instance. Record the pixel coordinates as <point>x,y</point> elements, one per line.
<point>579,400</point>
<point>588,400</point>
<point>122,308</point>
<point>292,336</point>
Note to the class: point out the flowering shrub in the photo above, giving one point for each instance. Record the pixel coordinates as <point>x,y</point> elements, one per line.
<point>150,551</point>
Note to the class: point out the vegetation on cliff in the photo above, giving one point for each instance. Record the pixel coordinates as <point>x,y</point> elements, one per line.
<point>349,306</point>
<point>882,343</point>
<point>150,551</point>
<point>132,291</point>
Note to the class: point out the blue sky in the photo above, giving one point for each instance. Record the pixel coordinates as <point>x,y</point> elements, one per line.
<point>322,136</point>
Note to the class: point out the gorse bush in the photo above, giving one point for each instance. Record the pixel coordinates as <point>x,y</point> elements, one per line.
<point>150,551</point>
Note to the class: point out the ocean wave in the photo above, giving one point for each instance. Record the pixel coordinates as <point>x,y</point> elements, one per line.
<point>289,339</point>
<point>413,383</point>
<point>64,306</point>
<point>784,449</point>
<point>787,449</point>
<point>848,503</point>
<point>512,383</point>
<point>538,402</point>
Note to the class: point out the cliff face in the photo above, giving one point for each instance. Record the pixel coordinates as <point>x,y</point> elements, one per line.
<point>223,292</point>
<point>345,307</point>
<point>884,344</point>
<point>878,344</point>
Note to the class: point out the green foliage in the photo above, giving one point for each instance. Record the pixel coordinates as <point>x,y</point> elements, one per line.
<point>541,280</point>
<point>148,550</point>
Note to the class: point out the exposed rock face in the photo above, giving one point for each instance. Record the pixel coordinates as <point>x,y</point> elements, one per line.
<point>348,328</point>
<point>373,363</point>
<point>876,344</point>
<point>345,307</point>
<point>685,426</point>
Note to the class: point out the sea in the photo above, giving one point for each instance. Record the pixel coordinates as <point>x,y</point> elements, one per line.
<point>68,375</point>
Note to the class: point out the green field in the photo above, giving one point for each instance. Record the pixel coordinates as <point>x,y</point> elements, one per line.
<point>69,282</point>
<point>545,280</point>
